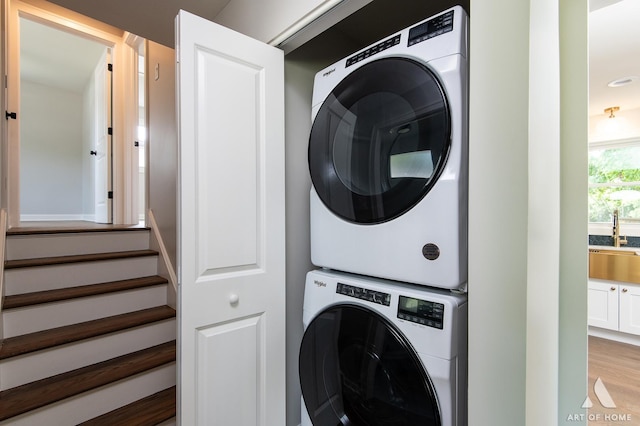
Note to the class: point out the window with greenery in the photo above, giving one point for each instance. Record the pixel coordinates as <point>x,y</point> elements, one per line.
<point>614,181</point>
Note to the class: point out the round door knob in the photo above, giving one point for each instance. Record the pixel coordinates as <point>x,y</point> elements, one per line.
<point>613,289</point>
<point>624,290</point>
<point>93,152</point>
<point>234,299</point>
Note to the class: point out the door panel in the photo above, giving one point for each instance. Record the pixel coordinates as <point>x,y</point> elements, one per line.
<point>233,232</point>
<point>231,227</point>
<point>101,122</point>
<point>214,360</point>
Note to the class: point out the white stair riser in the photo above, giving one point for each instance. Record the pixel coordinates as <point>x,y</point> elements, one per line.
<point>99,401</point>
<point>27,280</point>
<point>57,314</point>
<point>38,365</point>
<point>48,245</point>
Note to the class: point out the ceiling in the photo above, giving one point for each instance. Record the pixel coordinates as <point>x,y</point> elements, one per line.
<point>614,49</point>
<point>614,53</point>
<point>56,58</point>
<point>151,19</point>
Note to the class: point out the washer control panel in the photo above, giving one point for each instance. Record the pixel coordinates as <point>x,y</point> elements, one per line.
<point>431,28</point>
<point>373,296</point>
<point>421,312</point>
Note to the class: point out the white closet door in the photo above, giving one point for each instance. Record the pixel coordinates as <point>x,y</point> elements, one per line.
<point>101,122</point>
<point>231,227</point>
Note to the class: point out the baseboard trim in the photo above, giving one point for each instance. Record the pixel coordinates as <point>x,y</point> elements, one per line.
<point>603,333</point>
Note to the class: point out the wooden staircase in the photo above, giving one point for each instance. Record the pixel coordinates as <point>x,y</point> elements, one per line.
<point>88,335</point>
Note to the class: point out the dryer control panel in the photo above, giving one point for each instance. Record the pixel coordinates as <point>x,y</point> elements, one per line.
<point>421,312</point>
<point>383,45</point>
<point>432,28</point>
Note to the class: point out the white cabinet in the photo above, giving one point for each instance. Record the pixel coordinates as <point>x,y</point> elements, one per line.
<point>614,306</point>
<point>603,304</point>
<point>629,314</point>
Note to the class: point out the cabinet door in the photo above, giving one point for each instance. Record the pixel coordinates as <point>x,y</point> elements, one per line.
<point>630,309</point>
<point>603,304</point>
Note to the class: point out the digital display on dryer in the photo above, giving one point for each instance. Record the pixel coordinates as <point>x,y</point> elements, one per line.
<point>432,28</point>
<point>421,312</point>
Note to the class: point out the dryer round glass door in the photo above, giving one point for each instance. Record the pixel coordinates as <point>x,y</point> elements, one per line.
<point>357,369</point>
<point>380,140</point>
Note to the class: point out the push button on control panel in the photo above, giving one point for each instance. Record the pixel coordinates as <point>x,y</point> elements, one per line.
<point>423,312</point>
<point>432,28</point>
<point>383,45</point>
<point>373,296</point>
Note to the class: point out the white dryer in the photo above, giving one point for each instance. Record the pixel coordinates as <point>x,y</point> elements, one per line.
<point>388,157</point>
<point>380,353</point>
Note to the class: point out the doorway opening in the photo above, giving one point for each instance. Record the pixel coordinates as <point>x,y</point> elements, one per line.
<point>66,158</point>
<point>614,211</point>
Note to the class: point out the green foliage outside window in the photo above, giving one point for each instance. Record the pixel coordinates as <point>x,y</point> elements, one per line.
<point>614,183</point>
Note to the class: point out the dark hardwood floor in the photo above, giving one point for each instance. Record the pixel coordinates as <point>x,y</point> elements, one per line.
<point>38,227</point>
<point>618,366</point>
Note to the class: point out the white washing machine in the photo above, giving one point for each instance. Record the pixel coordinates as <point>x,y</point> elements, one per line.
<point>380,353</point>
<point>388,157</point>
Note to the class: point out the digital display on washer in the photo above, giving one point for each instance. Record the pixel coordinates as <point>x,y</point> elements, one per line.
<point>364,294</point>
<point>421,312</point>
<point>432,28</point>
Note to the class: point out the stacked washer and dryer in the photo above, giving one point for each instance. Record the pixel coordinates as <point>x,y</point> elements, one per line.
<point>385,317</point>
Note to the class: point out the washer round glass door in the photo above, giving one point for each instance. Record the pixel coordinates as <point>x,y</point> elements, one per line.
<point>357,369</point>
<point>380,140</point>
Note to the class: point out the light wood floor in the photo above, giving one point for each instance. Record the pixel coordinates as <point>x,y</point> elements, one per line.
<point>618,365</point>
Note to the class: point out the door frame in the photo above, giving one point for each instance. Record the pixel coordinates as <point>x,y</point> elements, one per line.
<point>122,58</point>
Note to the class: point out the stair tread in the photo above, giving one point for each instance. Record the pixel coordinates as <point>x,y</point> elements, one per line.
<point>19,345</point>
<point>91,257</point>
<point>73,229</point>
<point>31,396</point>
<point>47,296</point>
<point>148,411</point>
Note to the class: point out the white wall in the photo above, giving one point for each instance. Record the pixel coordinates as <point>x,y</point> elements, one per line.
<point>498,211</point>
<point>572,337</point>
<point>50,151</point>
<point>527,283</point>
<point>298,87</point>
